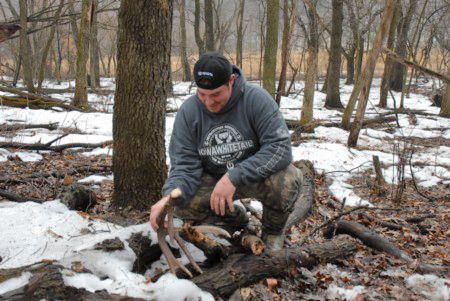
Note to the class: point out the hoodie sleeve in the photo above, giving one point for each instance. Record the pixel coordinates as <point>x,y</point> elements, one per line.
<point>275,151</point>
<point>186,168</point>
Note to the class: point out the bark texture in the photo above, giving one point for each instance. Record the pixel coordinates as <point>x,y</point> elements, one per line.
<point>209,26</point>
<point>239,32</point>
<point>143,80</point>
<point>311,69</point>
<point>25,48</point>
<point>271,46</point>
<point>183,47</point>
<point>333,99</point>
<point>80,97</point>
<point>398,70</point>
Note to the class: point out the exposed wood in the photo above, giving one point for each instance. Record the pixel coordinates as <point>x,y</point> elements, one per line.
<point>253,243</point>
<point>241,270</point>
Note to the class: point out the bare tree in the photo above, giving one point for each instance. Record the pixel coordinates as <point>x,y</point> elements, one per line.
<point>94,57</point>
<point>198,38</point>
<point>271,46</point>
<point>398,70</point>
<point>368,70</point>
<point>25,49</point>
<point>333,99</point>
<point>80,97</point>
<point>209,25</point>
<point>311,64</point>
<point>288,26</point>
<point>240,32</point>
<point>183,44</point>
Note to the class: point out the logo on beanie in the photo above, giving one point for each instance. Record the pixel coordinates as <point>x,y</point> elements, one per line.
<point>200,73</point>
<point>224,144</point>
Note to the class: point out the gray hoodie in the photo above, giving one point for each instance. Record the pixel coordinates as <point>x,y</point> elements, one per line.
<point>248,139</point>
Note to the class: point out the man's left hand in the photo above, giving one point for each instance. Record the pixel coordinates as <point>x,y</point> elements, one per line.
<point>222,195</point>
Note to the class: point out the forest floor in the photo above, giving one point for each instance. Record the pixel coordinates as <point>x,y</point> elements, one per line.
<point>35,232</point>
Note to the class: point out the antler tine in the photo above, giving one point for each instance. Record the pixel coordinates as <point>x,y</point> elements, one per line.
<point>187,253</point>
<point>171,260</point>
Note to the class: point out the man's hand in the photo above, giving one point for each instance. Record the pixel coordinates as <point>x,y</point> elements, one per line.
<point>156,210</point>
<point>221,195</point>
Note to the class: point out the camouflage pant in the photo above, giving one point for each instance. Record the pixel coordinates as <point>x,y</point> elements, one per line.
<point>277,193</point>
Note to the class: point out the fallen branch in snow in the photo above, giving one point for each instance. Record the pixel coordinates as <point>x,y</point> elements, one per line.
<point>297,127</point>
<point>47,147</point>
<point>17,198</point>
<point>411,64</point>
<point>240,270</point>
<point>23,102</point>
<point>379,243</point>
<point>15,127</point>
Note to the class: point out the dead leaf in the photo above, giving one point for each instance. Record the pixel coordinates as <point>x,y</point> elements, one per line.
<point>68,179</point>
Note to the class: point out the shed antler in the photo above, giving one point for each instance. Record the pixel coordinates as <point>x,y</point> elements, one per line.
<point>7,30</point>
<point>173,263</point>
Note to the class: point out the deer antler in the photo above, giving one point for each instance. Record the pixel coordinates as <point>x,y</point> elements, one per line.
<point>7,30</point>
<point>173,235</point>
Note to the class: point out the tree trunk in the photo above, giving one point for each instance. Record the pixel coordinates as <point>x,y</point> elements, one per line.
<point>369,68</point>
<point>80,97</point>
<point>73,21</point>
<point>445,104</point>
<point>396,82</point>
<point>198,38</point>
<point>239,32</point>
<point>94,59</point>
<point>384,88</point>
<point>25,49</point>
<point>139,159</point>
<point>183,47</point>
<point>271,46</point>
<point>209,25</point>
<point>288,16</point>
<point>311,70</point>
<point>47,46</point>
<point>350,58</point>
<point>333,99</point>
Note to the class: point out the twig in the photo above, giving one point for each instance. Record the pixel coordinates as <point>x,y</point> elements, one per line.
<point>431,199</point>
<point>56,139</point>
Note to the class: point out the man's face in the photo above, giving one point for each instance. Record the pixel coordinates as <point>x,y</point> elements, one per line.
<point>216,99</point>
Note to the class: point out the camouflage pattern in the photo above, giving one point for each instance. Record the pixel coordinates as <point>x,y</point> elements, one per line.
<point>277,193</point>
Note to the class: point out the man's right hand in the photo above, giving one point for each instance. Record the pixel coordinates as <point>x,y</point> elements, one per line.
<point>156,210</point>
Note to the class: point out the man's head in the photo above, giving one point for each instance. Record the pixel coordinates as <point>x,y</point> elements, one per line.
<point>214,77</point>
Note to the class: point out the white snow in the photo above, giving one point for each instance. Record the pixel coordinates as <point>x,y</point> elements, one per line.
<point>430,286</point>
<point>349,294</point>
<point>14,283</point>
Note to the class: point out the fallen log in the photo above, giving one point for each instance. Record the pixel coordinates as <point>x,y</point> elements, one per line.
<point>21,102</point>
<point>240,270</point>
<point>47,147</point>
<point>377,242</point>
<point>308,128</point>
<point>17,198</point>
<point>15,127</point>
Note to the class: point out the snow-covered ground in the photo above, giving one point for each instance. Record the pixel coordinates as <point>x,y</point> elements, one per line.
<point>32,232</point>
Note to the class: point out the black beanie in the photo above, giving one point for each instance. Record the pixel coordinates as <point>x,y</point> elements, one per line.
<point>212,70</point>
